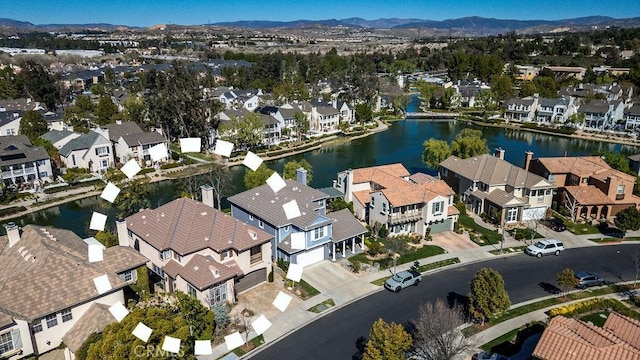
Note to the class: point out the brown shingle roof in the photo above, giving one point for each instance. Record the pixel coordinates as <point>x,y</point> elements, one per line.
<point>186,226</point>
<point>94,320</point>
<point>345,225</point>
<point>569,339</point>
<point>65,276</point>
<point>199,271</point>
<point>122,258</point>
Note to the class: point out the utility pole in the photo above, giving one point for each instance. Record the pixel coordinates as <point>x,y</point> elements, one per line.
<point>502,222</point>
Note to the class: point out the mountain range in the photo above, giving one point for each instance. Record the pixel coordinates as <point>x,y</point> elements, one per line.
<point>472,25</point>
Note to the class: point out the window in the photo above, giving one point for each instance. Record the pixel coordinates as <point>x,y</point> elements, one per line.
<point>251,217</point>
<point>512,215</point>
<point>373,201</point>
<point>191,290</point>
<point>218,294</point>
<point>620,189</point>
<point>585,180</point>
<point>129,276</point>
<point>6,343</point>
<point>225,254</point>
<point>66,315</point>
<point>286,228</point>
<point>552,178</point>
<point>255,254</point>
<point>37,327</point>
<point>261,224</point>
<point>384,207</point>
<point>103,150</point>
<point>42,174</point>
<point>437,207</point>
<point>104,164</point>
<point>156,269</point>
<point>52,320</point>
<point>318,233</point>
<point>73,159</point>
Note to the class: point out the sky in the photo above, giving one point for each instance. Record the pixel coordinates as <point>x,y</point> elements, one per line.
<point>194,12</point>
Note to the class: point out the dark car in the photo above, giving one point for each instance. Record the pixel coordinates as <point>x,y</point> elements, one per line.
<point>557,225</point>
<point>611,231</point>
<point>587,279</point>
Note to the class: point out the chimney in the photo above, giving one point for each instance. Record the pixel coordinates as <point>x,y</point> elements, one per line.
<point>348,195</point>
<point>207,194</point>
<point>123,232</point>
<point>13,232</point>
<point>499,153</point>
<point>528,155</point>
<point>301,175</point>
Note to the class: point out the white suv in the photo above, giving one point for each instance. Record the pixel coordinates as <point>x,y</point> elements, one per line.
<point>545,247</point>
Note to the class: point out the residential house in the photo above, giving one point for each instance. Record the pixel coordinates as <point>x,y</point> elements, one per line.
<point>82,80</point>
<point>130,141</point>
<point>247,99</point>
<point>521,110</point>
<point>582,92</point>
<point>271,130</point>
<point>47,287</point>
<point>88,151</point>
<point>555,110</point>
<point>488,184</point>
<point>631,117</point>
<point>568,338</point>
<point>468,91</point>
<point>21,162</point>
<point>324,118</point>
<point>587,186</point>
<point>346,111</point>
<point>59,138</point>
<point>403,203</point>
<point>306,239</point>
<point>9,122</point>
<point>601,114</point>
<point>564,72</point>
<point>194,248</point>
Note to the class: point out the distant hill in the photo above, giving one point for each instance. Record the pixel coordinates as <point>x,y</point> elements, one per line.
<point>25,25</point>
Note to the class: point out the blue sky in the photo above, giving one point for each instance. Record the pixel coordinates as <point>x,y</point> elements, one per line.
<point>191,12</point>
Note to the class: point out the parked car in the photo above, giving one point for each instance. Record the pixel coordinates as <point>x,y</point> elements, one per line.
<point>403,279</point>
<point>545,247</point>
<point>587,278</point>
<point>485,355</point>
<point>605,229</point>
<point>557,225</point>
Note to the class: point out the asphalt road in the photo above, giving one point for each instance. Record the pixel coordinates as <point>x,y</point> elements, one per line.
<point>341,333</point>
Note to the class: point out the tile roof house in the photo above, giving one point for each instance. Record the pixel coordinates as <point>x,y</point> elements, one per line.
<point>489,184</point>
<point>88,151</point>
<point>36,314</point>
<point>199,250</point>
<point>565,338</point>
<point>588,187</point>
<point>131,142</point>
<point>263,208</point>
<point>404,203</point>
<point>21,162</point>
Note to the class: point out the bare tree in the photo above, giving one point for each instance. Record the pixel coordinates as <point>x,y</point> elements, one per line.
<point>571,204</point>
<point>636,260</point>
<point>534,221</point>
<point>436,332</point>
<point>219,177</point>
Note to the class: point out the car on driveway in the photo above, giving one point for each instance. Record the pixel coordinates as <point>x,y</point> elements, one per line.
<point>557,225</point>
<point>402,279</point>
<point>545,247</point>
<point>587,279</point>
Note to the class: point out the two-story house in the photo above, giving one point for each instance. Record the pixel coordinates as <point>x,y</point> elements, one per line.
<point>201,251</point>
<point>88,151</point>
<point>555,110</point>
<point>59,138</point>
<point>632,117</point>
<point>403,203</point>
<point>9,122</point>
<point>47,287</point>
<point>588,186</point>
<point>306,239</point>
<point>21,162</point>
<point>491,185</point>
<point>130,141</point>
<point>600,114</point>
<point>521,110</point>
<point>324,118</point>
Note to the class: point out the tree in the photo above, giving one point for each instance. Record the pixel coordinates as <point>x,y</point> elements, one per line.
<point>105,111</point>
<point>132,198</point>
<point>486,100</point>
<point>628,219</point>
<point>435,151</point>
<point>135,109</point>
<point>107,239</point>
<point>219,177</point>
<point>502,86</point>
<point>291,170</point>
<point>567,280</point>
<point>35,82</point>
<point>616,160</point>
<point>527,88</point>
<point>387,341</point>
<point>301,124</point>
<point>364,113</point>
<point>33,124</point>
<point>488,296</point>
<point>84,102</point>
<point>436,334</point>
<point>256,178</point>
<point>246,132</point>
<point>400,102</point>
<point>571,205</point>
<point>339,204</point>
<point>77,118</point>
<point>469,143</point>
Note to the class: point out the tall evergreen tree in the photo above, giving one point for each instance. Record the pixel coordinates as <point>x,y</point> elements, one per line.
<point>488,296</point>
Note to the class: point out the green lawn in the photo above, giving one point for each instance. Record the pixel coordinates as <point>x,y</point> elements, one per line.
<point>487,237</point>
<point>595,318</point>
<point>255,342</point>
<point>581,229</point>
<point>604,240</point>
<point>322,306</point>
<point>412,255</point>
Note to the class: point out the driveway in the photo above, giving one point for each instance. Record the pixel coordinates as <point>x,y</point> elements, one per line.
<point>450,241</point>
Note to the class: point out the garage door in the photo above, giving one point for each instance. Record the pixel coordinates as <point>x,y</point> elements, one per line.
<point>534,213</point>
<point>310,257</point>
<point>250,280</point>
<point>440,227</point>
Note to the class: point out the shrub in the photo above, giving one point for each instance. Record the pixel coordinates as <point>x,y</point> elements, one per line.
<point>170,165</point>
<point>375,248</point>
<point>284,265</point>
<point>270,276</point>
<point>356,265</point>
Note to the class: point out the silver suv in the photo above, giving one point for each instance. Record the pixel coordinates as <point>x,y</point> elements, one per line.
<point>545,247</point>
<point>586,279</point>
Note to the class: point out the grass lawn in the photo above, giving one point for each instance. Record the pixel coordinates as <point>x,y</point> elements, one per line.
<point>412,255</point>
<point>605,240</point>
<point>581,229</point>
<point>322,306</point>
<point>487,237</point>
<point>255,342</point>
<point>305,290</point>
<point>596,318</point>
<point>510,343</point>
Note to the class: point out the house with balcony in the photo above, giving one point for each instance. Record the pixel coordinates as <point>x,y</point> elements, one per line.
<point>88,151</point>
<point>47,288</point>
<point>631,117</point>
<point>313,236</point>
<point>130,141</point>
<point>201,251</point>
<point>403,203</point>
<point>521,110</point>
<point>490,185</point>
<point>555,110</point>
<point>324,118</point>
<point>587,186</point>
<point>21,162</point>
<point>601,114</point>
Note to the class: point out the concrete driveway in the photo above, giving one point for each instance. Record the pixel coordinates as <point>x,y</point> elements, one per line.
<point>335,281</point>
<point>450,241</point>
